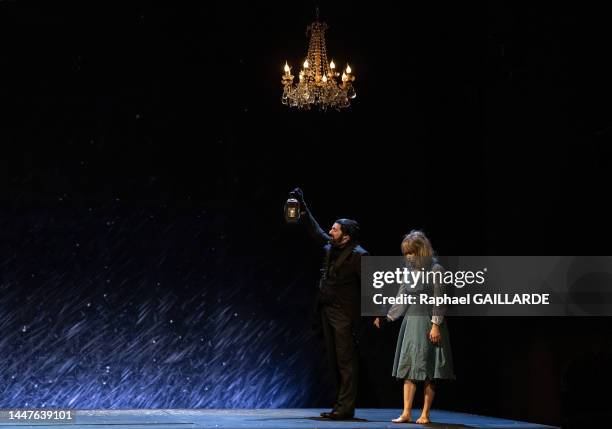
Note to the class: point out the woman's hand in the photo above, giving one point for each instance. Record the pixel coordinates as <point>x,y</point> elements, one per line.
<point>434,334</point>
<point>377,322</point>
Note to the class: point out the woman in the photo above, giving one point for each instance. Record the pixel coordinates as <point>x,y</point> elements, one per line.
<point>423,351</point>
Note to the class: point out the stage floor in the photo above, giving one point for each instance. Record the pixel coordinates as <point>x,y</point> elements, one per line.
<point>266,419</point>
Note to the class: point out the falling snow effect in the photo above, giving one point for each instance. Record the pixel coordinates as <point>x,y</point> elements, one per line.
<point>131,308</point>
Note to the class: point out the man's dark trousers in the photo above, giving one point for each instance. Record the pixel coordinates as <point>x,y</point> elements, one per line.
<point>342,349</point>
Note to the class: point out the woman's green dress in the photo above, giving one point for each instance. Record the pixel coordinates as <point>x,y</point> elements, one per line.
<point>416,357</point>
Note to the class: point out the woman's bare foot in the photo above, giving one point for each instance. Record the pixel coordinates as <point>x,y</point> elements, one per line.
<point>404,418</point>
<point>423,420</point>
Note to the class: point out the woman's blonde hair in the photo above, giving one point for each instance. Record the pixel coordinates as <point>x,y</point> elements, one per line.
<point>417,243</point>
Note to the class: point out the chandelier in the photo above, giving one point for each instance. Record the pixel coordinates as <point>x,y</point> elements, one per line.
<point>317,84</point>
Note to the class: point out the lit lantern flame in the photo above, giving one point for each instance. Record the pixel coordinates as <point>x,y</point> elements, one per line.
<point>324,78</point>
<point>343,77</point>
<point>286,68</point>
<point>306,64</point>
<point>332,65</point>
<point>348,69</point>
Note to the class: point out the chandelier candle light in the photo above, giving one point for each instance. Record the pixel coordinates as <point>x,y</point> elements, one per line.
<point>317,84</point>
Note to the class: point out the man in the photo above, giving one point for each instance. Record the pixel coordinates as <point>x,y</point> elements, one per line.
<point>339,304</point>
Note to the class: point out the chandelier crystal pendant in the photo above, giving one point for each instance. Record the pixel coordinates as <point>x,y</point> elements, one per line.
<point>318,85</point>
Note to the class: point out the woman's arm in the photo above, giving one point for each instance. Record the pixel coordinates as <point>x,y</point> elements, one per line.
<point>397,310</point>
<point>438,311</point>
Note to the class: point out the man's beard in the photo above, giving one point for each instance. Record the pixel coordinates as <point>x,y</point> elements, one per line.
<point>337,242</point>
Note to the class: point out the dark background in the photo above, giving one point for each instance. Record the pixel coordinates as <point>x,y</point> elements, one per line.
<point>146,158</point>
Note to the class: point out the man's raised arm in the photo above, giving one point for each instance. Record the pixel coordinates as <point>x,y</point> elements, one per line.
<point>311,224</point>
